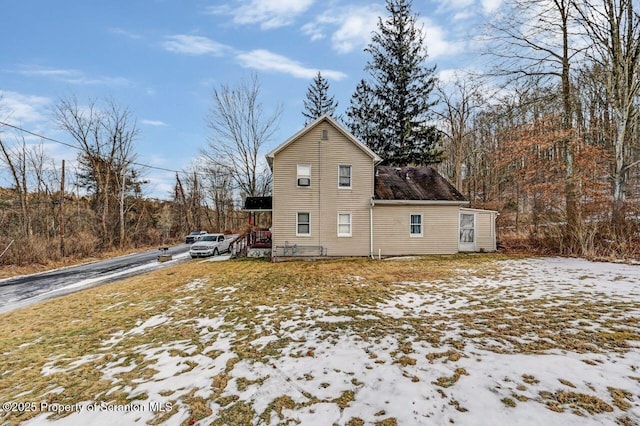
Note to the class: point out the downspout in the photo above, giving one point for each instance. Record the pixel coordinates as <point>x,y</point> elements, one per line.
<point>319,220</point>
<point>371,229</point>
<point>373,191</point>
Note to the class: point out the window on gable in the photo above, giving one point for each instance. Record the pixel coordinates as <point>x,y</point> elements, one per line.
<point>344,176</point>
<point>303,223</point>
<point>415,227</point>
<point>304,174</point>
<point>344,224</point>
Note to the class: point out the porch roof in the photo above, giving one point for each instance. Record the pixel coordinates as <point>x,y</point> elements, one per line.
<point>258,204</point>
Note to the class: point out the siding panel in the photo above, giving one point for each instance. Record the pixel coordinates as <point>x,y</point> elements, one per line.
<point>323,199</point>
<point>391,230</point>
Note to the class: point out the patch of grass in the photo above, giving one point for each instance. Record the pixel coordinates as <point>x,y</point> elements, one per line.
<point>242,383</point>
<point>198,407</point>
<point>277,405</point>
<point>450,355</point>
<point>455,404</point>
<point>508,402</point>
<point>621,398</point>
<point>391,421</point>
<point>579,402</point>
<point>344,399</point>
<point>446,382</point>
<point>625,421</point>
<point>567,383</point>
<point>240,414</point>
<point>406,360</point>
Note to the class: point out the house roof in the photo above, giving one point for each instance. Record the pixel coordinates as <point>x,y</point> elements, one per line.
<point>414,184</point>
<point>309,127</point>
<point>258,204</point>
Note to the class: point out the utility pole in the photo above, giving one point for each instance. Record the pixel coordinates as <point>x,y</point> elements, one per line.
<point>122,191</point>
<point>62,251</point>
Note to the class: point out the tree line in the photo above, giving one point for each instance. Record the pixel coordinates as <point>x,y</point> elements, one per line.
<point>547,135</point>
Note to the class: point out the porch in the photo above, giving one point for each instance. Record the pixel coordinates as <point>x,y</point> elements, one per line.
<point>256,240</point>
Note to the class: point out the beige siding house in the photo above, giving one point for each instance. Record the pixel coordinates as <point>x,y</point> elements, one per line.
<point>332,198</point>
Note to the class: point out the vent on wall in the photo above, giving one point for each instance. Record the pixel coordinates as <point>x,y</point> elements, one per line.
<point>325,135</point>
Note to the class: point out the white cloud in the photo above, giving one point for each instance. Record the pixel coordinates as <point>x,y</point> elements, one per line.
<point>125,33</point>
<point>16,108</point>
<point>454,5</point>
<point>436,41</point>
<point>465,14</point>
<point>490,6</point>
<point>72,76</point>
<point>350,26</point>
<point>268,13</point>
<point>153,123</point>
<point>313,30</point>
<point>194,45</point>
<point>264,60</point>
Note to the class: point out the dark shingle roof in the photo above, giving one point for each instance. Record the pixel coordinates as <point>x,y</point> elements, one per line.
<point>413,183</point>
<point>257,203</point>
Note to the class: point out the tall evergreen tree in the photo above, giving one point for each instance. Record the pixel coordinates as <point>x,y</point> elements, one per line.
<point>318,102</point>
<point>398,88</point>
<point>361,118</point>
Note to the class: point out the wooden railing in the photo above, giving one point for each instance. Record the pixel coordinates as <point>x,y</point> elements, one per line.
<point>258,238</point>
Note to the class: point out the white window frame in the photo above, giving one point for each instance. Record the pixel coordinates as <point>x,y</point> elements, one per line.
<point>298,234</point>
<point>411,225</point>
<point>302,175</point>
<point>350,176</point>
<point>345,234</point>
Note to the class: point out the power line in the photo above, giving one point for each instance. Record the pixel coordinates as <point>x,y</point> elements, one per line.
<point>79,149</point>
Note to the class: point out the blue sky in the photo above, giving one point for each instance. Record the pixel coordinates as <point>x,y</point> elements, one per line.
<point>162,59</point>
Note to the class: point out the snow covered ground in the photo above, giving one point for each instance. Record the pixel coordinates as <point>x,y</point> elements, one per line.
<point>521,342</point>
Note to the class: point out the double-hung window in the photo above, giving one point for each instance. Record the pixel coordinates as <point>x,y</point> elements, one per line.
<point>303,224</point>
<point>415,225</point>
<point>304,175</point>
<point>344,176</point>
<point>344,224</point>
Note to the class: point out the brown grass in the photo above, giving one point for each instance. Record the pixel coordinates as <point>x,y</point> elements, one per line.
<point>53,336</point>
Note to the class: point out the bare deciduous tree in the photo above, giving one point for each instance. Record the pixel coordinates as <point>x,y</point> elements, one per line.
<point>105,138</point>
<point>614,28</point>
<point>17,163</point>
<point>459,104</point>
<point>537,39</point>
<point>240,128</point>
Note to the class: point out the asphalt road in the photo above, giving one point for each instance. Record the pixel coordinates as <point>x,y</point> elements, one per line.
<point>25,290</point>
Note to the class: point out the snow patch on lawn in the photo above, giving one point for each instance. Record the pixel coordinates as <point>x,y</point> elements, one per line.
<point>451,371</point>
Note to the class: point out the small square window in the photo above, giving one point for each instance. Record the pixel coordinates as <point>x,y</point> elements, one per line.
<point>304,175</point>
<point>344,176</point>
<point>344,224</point>
<point>415,225</point>
<point>303,223</point>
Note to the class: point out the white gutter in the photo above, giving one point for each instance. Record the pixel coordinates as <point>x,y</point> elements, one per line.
<point>468,209</point>
<point>419,202</point>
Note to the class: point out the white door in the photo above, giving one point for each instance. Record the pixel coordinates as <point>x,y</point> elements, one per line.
<point>467,241</point>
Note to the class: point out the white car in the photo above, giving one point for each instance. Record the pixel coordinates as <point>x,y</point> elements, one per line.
<point>210,245</point>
